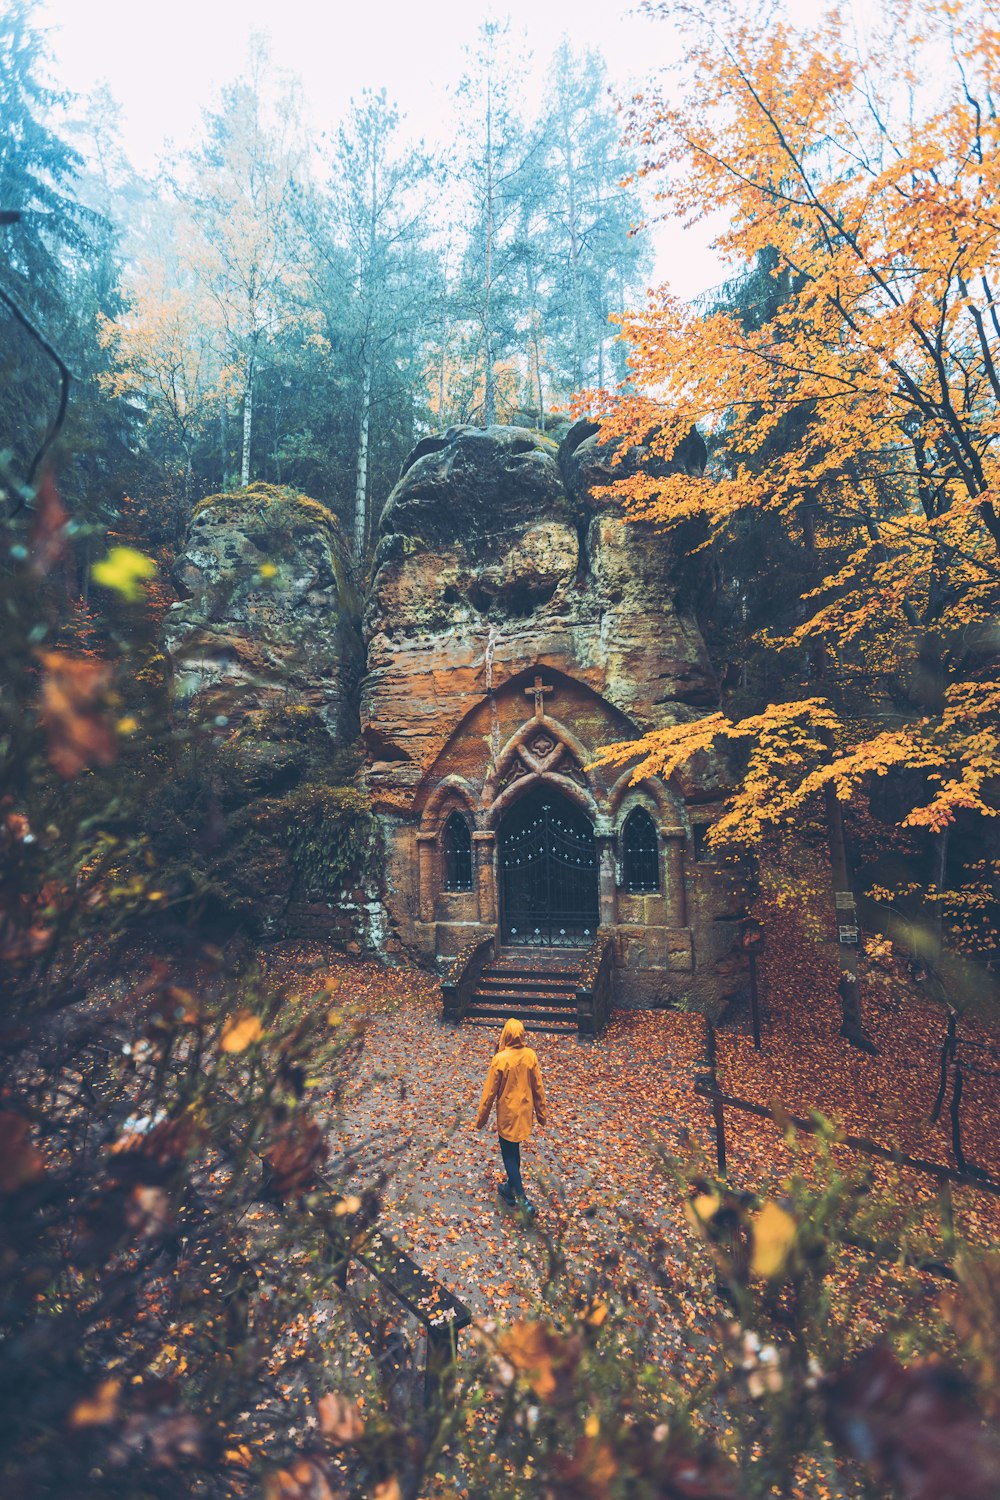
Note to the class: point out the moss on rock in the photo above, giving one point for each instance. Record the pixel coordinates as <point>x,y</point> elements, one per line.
<point>274,504</point>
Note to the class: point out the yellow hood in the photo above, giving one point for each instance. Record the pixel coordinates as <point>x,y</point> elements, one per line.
<point>513,1034</point>
<point>514,1084</point>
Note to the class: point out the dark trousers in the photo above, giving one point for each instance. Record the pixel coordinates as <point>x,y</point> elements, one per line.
<point>511,1153</point>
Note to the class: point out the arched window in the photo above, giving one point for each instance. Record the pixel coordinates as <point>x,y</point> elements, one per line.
<point>456,843</point>
<point>640,852</point>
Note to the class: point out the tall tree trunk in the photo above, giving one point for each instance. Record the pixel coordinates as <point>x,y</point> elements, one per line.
<point>490,395</point>
<point>852,1026</point>
<point>247,426</point>
<point>361,477</point>
<point>368,280</point>
<point>538,376</point>
<point>578,379</point>
<point>573,214</point>
<point>444,355</point>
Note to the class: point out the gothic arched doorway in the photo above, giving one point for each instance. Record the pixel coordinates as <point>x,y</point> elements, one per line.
<point>547,866</point>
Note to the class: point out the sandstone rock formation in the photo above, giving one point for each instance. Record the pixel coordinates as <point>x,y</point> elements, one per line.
<point>490,561</point>
<point>515,623</point>
<point>269,613</point>
<point>266,655</point>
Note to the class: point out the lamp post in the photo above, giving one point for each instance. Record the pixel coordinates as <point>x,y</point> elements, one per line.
<point>752,943</point>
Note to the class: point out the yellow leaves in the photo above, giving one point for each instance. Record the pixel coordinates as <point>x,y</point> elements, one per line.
<point>349,1205</point>
<point>241,1031</point>
<point>74,712</point>
<point>123,570</point>
<point>850,370</point>
<point>99,1409</point>
<point>702,1208</point>
<point>304,1479</point>
<point>339,1419</point>
<point>774,1232</point>
<point>592,1425</point>
<point>596,1315</point>
<point>543,1358</point>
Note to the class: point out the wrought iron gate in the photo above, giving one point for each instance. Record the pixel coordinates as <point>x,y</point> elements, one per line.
<point>548,875</point>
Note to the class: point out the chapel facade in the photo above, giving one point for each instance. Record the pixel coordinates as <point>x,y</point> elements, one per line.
<point>516,623</point>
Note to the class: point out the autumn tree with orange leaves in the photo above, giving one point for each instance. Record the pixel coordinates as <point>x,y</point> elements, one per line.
<point>859,420</point>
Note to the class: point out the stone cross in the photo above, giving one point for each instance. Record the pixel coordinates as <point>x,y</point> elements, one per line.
<point>538,692</point>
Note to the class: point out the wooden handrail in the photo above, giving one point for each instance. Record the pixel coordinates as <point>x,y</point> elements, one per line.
<point>442,1314</point>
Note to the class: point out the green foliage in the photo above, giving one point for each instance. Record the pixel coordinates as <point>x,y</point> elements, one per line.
<point>247,827</point>
<point>331,836</point>
<point>59,264</point>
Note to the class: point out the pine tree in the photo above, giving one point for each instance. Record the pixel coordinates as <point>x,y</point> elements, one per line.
<point>240,192</point>
<point>52,234</point>
<point>369,255</point>
<point>498,155</point>
<point>595,264</point>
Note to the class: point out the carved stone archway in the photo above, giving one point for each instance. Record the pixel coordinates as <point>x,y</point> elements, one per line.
<point>545,751</point>
<point>542,747</point>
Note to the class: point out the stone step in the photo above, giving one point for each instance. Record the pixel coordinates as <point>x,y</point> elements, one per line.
<point>525,1001</point>
<point>552,971</point>
<point>514,983</point>
<point>529,1015</point>
<point>557,1029</point>
<point>567,959</point>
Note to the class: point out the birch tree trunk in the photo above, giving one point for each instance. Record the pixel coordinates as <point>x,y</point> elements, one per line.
<point>247,426</point>
<point>489,397</point>
<point>538,376</point>
<point>361,479</point>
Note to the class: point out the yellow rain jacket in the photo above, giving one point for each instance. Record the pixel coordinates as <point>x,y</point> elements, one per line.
<point>515,1082</point>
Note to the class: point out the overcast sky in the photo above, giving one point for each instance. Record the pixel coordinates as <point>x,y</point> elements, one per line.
<point>164,63</point>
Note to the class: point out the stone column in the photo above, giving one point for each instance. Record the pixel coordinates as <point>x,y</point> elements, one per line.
<point>425,876</point>
<point>606,878</point>
<point>483,841</point>
<point>673,875</point>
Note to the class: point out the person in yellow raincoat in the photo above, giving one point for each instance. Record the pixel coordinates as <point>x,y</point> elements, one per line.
<point>514,1084</point>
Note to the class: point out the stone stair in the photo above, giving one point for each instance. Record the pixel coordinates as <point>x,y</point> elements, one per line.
<point>536,987</point>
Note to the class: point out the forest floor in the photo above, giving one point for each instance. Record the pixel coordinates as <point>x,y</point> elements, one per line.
<point>619,1108</point>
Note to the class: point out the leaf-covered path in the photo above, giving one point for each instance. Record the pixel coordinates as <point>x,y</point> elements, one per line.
<point>615,1105</point>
